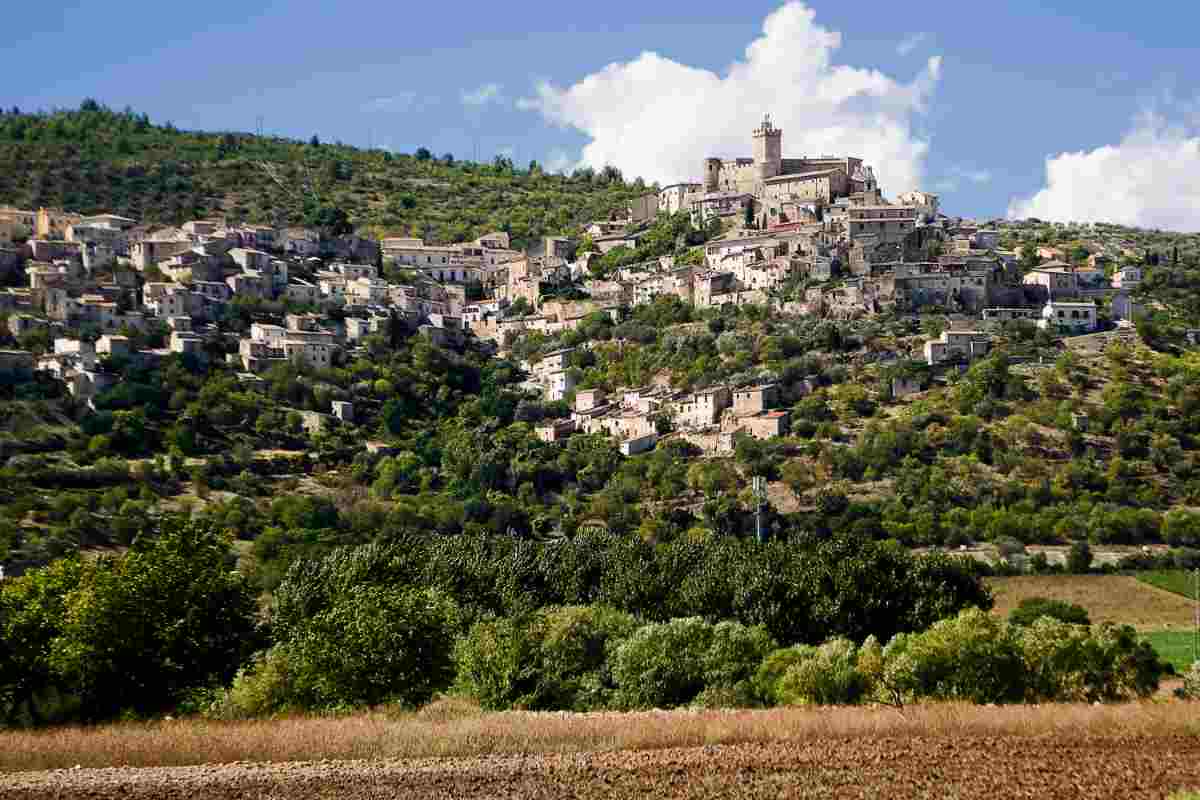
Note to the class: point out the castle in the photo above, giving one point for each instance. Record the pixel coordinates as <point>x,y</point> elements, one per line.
<point>771,179</point>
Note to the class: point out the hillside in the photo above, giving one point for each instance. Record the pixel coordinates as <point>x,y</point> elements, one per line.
<point>95,160</point>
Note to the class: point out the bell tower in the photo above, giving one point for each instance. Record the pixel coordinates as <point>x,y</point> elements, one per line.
<point>768,150</point>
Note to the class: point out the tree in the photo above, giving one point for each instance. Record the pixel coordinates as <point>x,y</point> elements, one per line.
<point>315,141</point>
<point>32,616</point>
<point>373,645</point>
<point>1032,609</point>
<point>142,629</point>
<point>423,154</point>
<point>1079,559</point>
<point>330,220</point>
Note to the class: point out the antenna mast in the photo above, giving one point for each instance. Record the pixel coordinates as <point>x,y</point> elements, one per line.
<point>759,487</point>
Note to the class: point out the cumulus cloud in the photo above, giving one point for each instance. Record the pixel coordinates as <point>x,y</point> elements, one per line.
<point>911,43</point>
<point>1150,179</point>
<point>658,118</point>
<point>484,95</point>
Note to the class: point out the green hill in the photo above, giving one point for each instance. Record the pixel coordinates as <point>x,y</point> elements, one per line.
<point>94,159</point>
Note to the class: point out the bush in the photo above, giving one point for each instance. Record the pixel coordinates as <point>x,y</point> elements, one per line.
<point>828,675</point>
<point>554,659</point>
<point>972,657</point>
<point>1066,662</point>
<point>775,666</point>
<point>1191,684</point>
<point>978,658</point>
<point>260,689</point>
<point>670,664</point>
<point>1033,608</point>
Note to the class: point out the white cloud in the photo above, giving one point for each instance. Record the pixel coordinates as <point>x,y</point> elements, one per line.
<point>659,119</point>
<point>1150,179</point>
<point>911,43</point>
<point>482,96</point>
<point>397,103</point>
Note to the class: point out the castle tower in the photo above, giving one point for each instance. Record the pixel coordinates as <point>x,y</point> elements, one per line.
<point>712,175</point>
<point>768,150</point>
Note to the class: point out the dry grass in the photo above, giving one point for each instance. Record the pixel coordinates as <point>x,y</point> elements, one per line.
<point>450,728</point>
<point>1107,598</point>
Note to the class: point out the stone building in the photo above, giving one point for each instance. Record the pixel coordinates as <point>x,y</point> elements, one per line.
<point>770,177</point>
<point>956,346</point>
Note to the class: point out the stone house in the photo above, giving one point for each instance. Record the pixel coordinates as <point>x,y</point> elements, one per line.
<point>555,430</point>
<point>702,409</point>
<point>956,346</point>
<point>767,425</point>
<point>755,399</point>
<point>677,197</point>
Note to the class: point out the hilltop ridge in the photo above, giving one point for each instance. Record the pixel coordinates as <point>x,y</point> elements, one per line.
<point>94,160</point>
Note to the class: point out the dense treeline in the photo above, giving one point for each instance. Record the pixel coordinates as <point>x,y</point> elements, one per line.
<point>145,631</point>
<point>802,590</point>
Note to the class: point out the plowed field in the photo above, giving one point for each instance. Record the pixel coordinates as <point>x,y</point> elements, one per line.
<point>1052,767</point>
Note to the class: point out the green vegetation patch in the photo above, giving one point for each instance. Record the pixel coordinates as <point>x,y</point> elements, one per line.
<point>1176,647</point>
<point>1173,580</point>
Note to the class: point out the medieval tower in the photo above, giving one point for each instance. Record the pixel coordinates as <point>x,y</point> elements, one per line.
<point>768,151</point>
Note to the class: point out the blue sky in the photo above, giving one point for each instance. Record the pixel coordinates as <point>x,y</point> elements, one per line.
<point>1017,82</point>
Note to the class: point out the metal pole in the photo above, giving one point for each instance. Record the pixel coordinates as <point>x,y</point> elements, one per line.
<point>758,485</point>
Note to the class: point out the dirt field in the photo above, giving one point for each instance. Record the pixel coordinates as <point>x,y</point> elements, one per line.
<point>850,768</point>
<point>1107,598</point>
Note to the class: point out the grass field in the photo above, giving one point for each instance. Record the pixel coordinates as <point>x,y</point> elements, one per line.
<point>451,728</point>
<point>1107,598</point>
<point>1174,646</point>
<point>1175,580</point>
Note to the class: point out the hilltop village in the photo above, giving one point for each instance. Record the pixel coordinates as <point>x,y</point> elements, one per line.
<point>811,237</point>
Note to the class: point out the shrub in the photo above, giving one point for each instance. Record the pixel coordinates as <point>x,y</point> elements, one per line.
<point>978,658</point>
<point>554,659</point>
<point>775,666</point>
<point>1123,665</point>
<point>668,664</point>
<point>735,654</point>
<point>1067,662</point>
<point>1057,657</point>
<point>972,657</point>
<point>261,688</point>
<point>1191,684</point>
<point>1033,608</point>
<point>829,675</point>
